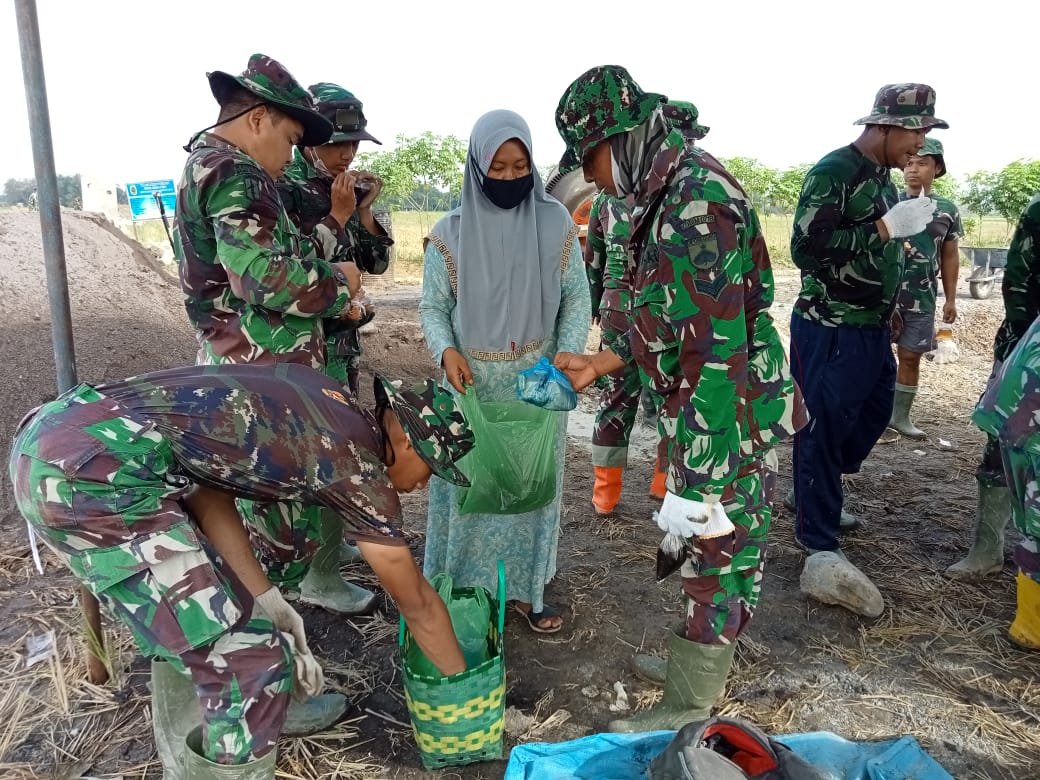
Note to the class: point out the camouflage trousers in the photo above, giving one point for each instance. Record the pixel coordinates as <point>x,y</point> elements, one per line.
<point>285,535</point>
<point>98,484</point>
<point>990,472</point>
<point>618,401</point>
<point>344,359</point>
<point>722,577</point>
<point>1023,477</point>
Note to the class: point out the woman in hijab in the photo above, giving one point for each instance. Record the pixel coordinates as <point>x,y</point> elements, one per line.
<point>503,286</point>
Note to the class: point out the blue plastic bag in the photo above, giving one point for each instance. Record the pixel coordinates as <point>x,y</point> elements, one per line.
<point>544,385</point>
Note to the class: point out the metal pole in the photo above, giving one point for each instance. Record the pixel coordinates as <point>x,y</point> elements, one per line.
<point>54,262</point>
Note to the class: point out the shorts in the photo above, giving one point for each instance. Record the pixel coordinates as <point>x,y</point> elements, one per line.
<point>918,332</point>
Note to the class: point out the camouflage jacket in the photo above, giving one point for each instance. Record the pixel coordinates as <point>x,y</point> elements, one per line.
<point>1010,407</point>
<point>306,195</point>
<point>1021,285</point>
<point>608,262</point>
<point>701,328</point>
<point>923,254</point>
<point>254,288</point>
<point>850,275</point>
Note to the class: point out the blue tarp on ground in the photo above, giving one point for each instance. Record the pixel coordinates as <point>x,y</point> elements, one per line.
<point>627,756</point>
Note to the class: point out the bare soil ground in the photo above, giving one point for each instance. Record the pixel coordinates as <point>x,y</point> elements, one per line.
<point>936,664</point>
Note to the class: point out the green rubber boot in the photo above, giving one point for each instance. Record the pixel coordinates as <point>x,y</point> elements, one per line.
<point>847,522</point>
<point>313,714</point>
<point>349,553</point>
<point>901,413</point>
<point>695,680</point>
<point>324,586</point>
<point>175,712</point>
<point>650,668</point>
<point>196,767</point>
<point>986,555</point>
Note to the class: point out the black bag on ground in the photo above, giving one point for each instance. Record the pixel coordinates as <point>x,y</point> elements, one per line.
<point>729,749</point>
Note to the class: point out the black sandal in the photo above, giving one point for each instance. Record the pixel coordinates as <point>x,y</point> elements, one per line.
<point>534,618</point>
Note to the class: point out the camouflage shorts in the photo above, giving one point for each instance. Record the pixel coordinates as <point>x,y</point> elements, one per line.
<point>722,578</point>
<point>285,535</point>
<point>1023,476</point>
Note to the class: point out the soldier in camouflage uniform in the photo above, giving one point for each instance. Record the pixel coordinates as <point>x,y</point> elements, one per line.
<point>610,270</point>
<point>849,228</point>
<point>928,254</point>
<point>1010,411</point>
<point>132,485</point>
<point>701,333</point>
<point>319,195</point>
<point>1021,290</point>
<point>256,290</point>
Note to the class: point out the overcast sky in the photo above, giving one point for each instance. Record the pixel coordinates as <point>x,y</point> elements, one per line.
<point>780,81</point>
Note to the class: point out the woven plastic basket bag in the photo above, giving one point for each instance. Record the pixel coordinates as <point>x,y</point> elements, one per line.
<point>458,720</point>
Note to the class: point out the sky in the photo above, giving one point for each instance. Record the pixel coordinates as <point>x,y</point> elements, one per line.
<point>778,81</point>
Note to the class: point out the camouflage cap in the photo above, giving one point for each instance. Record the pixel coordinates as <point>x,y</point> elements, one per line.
<point>340,107</point>
<point>933,148</point>
<point>682,115</point>
<point>433,421</point>
<point>272,83</point>
<point>601,102</point>
<point>905,105</point>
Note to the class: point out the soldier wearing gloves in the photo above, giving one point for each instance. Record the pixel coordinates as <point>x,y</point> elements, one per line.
<point>849,231</point>
<point>701,333</point>
<point>133,485</point>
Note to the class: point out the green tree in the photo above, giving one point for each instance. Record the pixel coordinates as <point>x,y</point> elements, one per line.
<point>18,190</point>
<point>787,187</point>
<point>1013,188</point>
<point>755,177</point>
<point>977,198</point>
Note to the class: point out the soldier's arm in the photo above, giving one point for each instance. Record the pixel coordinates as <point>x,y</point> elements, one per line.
<point>215,513</point>
<point>264,268</point>
<point>1021,285</point>
<point>703,248</point>
<point>595,253</point>
<point>372,248</point>
<point>818,238</point>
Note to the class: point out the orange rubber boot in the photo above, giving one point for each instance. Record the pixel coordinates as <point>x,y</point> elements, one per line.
<point>607,491</point>
<point>657,488</point>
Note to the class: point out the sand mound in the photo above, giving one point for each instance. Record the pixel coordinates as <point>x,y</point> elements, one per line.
<point>127,314</point>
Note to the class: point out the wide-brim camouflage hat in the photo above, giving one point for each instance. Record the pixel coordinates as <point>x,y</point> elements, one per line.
<point>933,148</point>
<point>344,111</point>
<point>904,105</point>
<point>682,115</point>
<point>602,102</point>
<point>433,422</point>
<point>272,83</point>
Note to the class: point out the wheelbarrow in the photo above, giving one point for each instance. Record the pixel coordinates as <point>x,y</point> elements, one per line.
<point>988,262</point>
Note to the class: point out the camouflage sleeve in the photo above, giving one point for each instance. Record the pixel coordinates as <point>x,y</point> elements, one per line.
<point>330,241</point>
<point>252,233</point>
<point>1021,285</point>
<point>957,227</point>
<point>702,250</point>
<point>818,238</point>
<point>372,250</point>
<point>596,250</point>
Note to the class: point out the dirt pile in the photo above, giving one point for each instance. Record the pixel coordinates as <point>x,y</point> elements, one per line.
<point>127,313</point>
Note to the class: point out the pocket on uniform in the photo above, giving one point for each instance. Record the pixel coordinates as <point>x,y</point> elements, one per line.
<point>166,587</point>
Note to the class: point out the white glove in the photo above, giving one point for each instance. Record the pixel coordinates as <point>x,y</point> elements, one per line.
<point>284,617</point>
<point>687,518</point>
<point>308,676</point>
<point>909,217</point>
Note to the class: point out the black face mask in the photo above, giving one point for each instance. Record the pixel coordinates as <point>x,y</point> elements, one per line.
<point>508,193</point>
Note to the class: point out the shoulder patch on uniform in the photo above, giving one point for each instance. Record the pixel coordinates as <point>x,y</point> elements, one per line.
<point>335,395</point>
<point>700,219</point>
<point>704,251</point>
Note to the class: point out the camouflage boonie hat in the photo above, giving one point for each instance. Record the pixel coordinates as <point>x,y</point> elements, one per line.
<point>602,102</point>
<point>434,424</point>
<point>682,115</point>
<point>272,83</point>
<point>933,148</point>
<point>340,107</point>
<point>904,105</point>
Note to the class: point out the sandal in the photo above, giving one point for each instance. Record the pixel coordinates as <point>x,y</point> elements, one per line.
<point>534,618</point>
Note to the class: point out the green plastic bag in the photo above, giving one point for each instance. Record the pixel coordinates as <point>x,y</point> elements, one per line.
<point>512,468</point>
<point>470,612</point>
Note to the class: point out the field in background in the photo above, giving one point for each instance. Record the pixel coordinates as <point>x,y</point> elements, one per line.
<point>411,226</point>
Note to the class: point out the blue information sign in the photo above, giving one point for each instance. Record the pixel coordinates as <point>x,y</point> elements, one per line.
<point>144,196</point>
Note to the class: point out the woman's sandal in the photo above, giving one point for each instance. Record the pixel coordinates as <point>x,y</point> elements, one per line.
<point>534,618</point>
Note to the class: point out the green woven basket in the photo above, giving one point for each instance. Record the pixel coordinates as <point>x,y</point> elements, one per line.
<point>458,719</point>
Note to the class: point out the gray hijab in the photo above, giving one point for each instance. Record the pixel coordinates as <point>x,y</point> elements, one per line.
<point>507,261</point>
